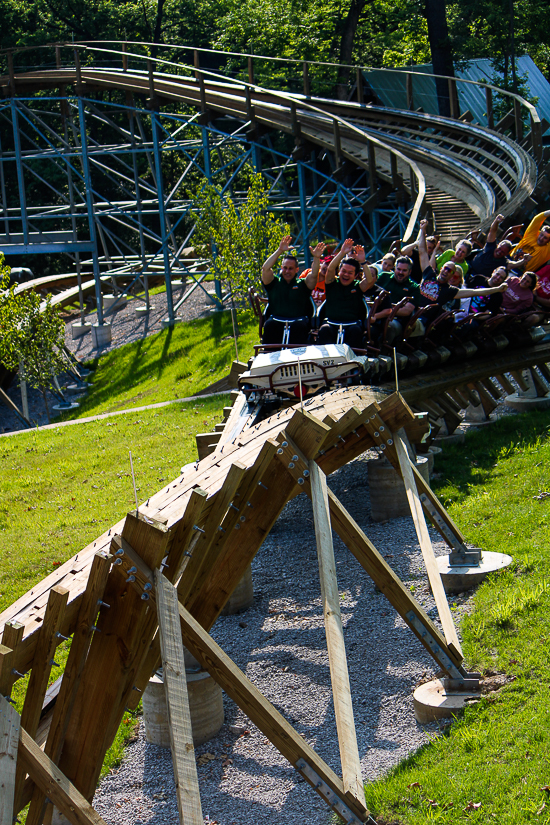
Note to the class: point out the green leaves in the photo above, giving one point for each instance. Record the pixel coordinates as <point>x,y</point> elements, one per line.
<point>31,338</point>
<point>237,238</point>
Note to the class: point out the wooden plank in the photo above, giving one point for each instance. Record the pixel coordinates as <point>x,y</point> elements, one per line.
<point>487,401</point>
<point>428,555</point>
<point>343,708</point>
<point>114,659</point>
<point>540,387</point>
<point>505,383</point>
<point>54,784</point>
<point>260,711</point>
<point>89,609</point>
<point>519,379</point>
<point>242,545</point>
<point>196,570</point>
<point>177,703</point>
<point>308,431</point>
<point>9,743</point>
<point>370,559</point>
<point>545,372</point>
<point>42,664</point>
<point>11,638</point>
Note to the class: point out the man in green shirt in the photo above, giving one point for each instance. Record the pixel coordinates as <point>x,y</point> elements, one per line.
<point>400,285</point>
<point>289,298</point>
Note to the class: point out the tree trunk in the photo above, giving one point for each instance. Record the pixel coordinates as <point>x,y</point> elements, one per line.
<point>46,404</point>
<point>442,54</point>
<point>346,45</point>
<point>158,27</point>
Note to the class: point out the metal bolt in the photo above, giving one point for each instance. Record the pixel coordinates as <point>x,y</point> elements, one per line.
<point>145,597</point>
<point>382,428</point>
<point>291,465</point>
<point>119,553</point>
<point>237,527</point>
<point>234,507</point>
<point>306,473</point>
<point>95,628</point>
<point>16,673</point>
<point>377,434</point>
<point>102,604</point>
<point>295,458</point>
<point>243,518</point>
<point>199,529</point>
<point>220,528</point>
<point>131,579</point>
<point>54,664</point>
<point>300,481</point>
<point>132,570</point>
<point>261,484</point>
<point>390,441</point>
<point>117,561</point>
<point>284,444</point>
<point>139,690</point>
<point>382,446</point>
<point>60,636</point>
<point>248,504</point>
<point>279,451</point>
<point>147,586</point>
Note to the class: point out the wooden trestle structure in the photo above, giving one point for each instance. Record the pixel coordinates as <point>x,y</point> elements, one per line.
<point>126,617</point>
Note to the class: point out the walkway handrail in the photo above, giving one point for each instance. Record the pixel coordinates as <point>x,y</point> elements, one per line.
<point>518,103</point>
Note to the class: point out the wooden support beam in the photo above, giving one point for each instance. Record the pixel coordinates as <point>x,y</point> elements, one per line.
<point>343,709</point>
<point>240,512</point>
<point>378,569</point>
<point>505,383</point>
<point>125,631</point>
<point>540,387</point>
<point>42,664</point>
<point>544,371</point>
<point>54,784</point>
<point>259,710</point>
<point>177,703</point>
<point>89,608</point>
<point>459,397</point>
<point>492,388</point>
<point>487,401</point>
<point>198,566</point>
<point>519,379</point>
<point>434,576</point>
<point>11,637</point>
<point>10,723</point>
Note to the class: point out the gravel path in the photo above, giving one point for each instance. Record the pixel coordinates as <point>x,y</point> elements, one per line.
<point>280,644</point>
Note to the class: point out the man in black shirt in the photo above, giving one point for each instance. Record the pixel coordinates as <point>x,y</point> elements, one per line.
<point>494,255</point>
<point>289,298</point>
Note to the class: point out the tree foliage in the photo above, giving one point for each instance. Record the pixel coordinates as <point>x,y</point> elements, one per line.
<point>236,238</point>
<point>31,337</point>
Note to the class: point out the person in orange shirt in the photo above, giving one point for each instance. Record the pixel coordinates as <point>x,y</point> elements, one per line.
<point>318,293</point>
<point>535,242</point>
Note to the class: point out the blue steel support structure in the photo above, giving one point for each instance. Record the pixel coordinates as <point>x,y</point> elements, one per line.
<point>155,128</point>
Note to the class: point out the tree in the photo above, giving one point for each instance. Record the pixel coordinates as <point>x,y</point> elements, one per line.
<point>237,239</point>
<point>442,52</point>
<point>31,337</point>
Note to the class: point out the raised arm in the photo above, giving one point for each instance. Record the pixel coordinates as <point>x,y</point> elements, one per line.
<point>267,268</point>
<point>486,290</point>
<point>422,246</point>
<point>435,253</point>
<point>316,254</point>
<point>347,246</point>
<point>493,230</point>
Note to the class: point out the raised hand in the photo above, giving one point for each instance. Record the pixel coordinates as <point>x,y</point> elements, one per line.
<point>285,244</point>
<point>317,252</point>
<point>347,246</point>
<point>359,254</point>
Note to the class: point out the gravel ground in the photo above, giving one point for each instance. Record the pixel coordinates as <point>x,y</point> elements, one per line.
<point>280,644</point>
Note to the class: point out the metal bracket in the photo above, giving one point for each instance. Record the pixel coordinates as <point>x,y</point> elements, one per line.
<point>437,652</point>
<point>460,554</point>
<point>328,794</point>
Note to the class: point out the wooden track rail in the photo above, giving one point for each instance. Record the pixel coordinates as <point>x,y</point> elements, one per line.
<point>401,149</point>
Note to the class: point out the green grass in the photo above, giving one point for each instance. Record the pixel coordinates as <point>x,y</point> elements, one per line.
<point>174,363</point>
<point>62,487</point>
<point>493,764</point>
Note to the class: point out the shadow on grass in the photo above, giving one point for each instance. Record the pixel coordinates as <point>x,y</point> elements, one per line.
<point>472,464</point>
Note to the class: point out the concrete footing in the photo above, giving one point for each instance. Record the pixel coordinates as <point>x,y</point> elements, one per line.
<point>388,498</point>
<point>458,578</point>
<point>434,701</point>
<point>165,323</point>
<point>524,403</point>
<point>110,301</point>
<point>101,334</point>
<point>76,389</point>
<point>78,329</point>
<point>205,706</point>
<point>143,310</point>
<point>455,438</point>
<point>243,595</point>
<point>65,406</point>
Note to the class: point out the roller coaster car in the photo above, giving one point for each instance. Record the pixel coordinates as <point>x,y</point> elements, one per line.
<point>316,367</point>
